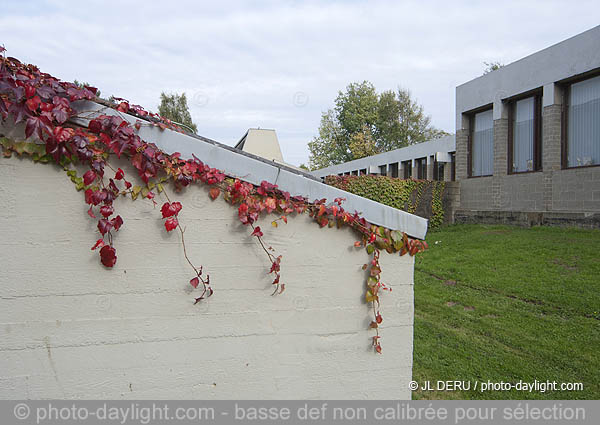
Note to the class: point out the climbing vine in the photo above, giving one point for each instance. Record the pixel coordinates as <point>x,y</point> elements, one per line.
<point>404,194</point>
<point>45,105</point>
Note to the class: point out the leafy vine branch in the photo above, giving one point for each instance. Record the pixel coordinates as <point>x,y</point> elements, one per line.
<point>45,105</point>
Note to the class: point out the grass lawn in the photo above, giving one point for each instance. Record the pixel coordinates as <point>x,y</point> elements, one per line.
<point>502,303</point>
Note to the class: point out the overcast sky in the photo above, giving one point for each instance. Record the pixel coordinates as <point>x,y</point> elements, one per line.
<point>280,64</point>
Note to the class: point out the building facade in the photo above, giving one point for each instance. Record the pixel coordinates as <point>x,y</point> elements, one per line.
<point>527,143</point>
<point>432,160</point>
<point>528,138</point>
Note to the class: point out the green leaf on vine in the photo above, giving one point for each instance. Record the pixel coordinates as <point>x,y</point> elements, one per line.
<point>369,297</point>
<point>135,192</point>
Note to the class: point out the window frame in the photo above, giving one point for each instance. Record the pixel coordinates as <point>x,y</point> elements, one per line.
<point>406,174</point>
<point>421,164</point>
<point>566,93</point>
<point>471,117</point>
<point>537,135</point>
<point>393,169</point>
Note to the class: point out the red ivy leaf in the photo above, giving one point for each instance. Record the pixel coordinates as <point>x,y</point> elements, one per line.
<point>378,318</point>
<point>89,177</point>
<point>99,243</point>
<point>171,224</point>
<point>119,174</point>
<point>214,192</point>
<point>194,282</point>
<point>170,209</point>
<point>104,226</point>
<point>321,210</point>
<point>270,204</point>
<point>91,212</point>
<point>257,232</point>
<point>95,126</point>
<point>37,125</point>
<point>106,210</point>
<point>123,107</point>
<point>108,256</point>
<point>33,103</point>
<point>117,222</point>
<point>378,348</point>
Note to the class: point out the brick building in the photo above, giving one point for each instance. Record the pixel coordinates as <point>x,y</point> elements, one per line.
<point>528,138</point>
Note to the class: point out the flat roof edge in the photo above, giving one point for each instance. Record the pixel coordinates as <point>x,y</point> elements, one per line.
<point>254,170</point>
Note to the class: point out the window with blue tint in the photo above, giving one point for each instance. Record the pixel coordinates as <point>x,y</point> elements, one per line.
<point>482,144</point>
<point>583,123</point>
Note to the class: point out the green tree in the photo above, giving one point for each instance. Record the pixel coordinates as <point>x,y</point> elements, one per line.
<point>365,123</point>
<point>328,147</point>
<point>362,143</point>
<point>356,107</point>
<point>175,108</point>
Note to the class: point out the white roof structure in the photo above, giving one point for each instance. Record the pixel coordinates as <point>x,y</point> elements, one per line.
<point>255,169</point>
<point>441,148</point>
<point>261,142</point>
<point>265,144</point>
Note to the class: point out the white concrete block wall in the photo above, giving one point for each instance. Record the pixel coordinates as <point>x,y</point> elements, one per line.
<point>69,328</point>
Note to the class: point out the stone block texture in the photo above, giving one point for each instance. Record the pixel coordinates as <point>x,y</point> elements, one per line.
<point>462,142</point>
<point>551,190</point>
<point>551,137</point>
<point>70,328</point>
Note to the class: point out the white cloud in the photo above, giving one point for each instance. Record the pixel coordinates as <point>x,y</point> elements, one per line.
<point>243,63</point>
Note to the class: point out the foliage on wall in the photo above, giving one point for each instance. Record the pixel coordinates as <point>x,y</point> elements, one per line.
<point>45,105</point>
<point>421,197</point>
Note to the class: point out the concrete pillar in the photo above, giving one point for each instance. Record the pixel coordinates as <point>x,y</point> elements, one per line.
<point>551,128</point>
<point>499,197</point>
<point>447,171</point>
<point>462,141</point>
<point>414,173</point>
<point>551,138</point>
<point>430,164</point>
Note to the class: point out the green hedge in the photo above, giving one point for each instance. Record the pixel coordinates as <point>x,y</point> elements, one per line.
<point>420,197</point>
